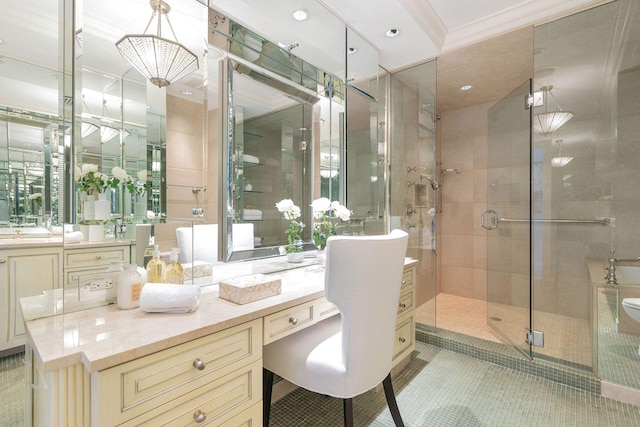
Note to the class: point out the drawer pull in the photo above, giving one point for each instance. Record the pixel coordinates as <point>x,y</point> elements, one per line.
<point>403,305</point>
<point>98,257</point>
<point>401,339</point>
<point>293,321</point>
<point>3,261</point>
<point>404,282</point>
<point>199,416</point>
<point>199,365</point>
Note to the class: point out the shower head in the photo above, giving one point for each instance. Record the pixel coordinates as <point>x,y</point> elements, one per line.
<point>434,184</point>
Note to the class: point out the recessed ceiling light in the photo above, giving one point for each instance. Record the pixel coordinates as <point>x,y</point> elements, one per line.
<point>187,92</point>
<point>149,107</point>
<point>392,32</point>
<point>466,87</point>
<point>352,50</point>
<point>300,15</point>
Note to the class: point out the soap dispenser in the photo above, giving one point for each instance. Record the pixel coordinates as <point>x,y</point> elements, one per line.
<point>155,267</point>
<point>173,272</point>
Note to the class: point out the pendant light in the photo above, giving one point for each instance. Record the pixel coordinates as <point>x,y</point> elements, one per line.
<point>560,161</point>
<point>553,117</point>
<point>161,60</point>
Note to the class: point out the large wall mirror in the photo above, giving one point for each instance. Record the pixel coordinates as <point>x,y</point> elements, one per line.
<point>71,100</point>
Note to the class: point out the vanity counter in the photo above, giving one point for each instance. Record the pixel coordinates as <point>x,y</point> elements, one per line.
<point>103,337</point>
<point>30,242</point>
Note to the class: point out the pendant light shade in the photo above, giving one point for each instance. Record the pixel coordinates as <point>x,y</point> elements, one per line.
<point>87,129</point>
<point>552,118</point>
<point>159,59</point>
<point>560,161</point>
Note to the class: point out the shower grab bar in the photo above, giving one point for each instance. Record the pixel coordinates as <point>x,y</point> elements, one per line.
<point>494,220</point>
<point>601,221</point>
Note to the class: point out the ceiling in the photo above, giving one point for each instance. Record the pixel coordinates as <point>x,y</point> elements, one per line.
<point>472,39</point>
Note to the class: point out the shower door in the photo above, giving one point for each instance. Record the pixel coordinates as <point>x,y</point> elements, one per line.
<point>506,218</point>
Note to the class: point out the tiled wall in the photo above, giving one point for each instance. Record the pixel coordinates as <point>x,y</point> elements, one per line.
<point>462,136</point>
<point>189,162</point>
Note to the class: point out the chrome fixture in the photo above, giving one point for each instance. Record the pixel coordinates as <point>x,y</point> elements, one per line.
<point>292,46</point>
<point>159,59</point>
<point>434,184</point>
<point>409,210</point>
<point>553,117</point>
<point>444,171</point>
<point>611,270</point>
<point>412,169</point>
<point>410,183</point>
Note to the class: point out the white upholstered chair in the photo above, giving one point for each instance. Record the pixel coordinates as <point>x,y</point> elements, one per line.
<point>347,354</point>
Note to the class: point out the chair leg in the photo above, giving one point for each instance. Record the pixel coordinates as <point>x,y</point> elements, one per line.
<point>267,388</point>
<point>391,401</point>
<point>347,405</point>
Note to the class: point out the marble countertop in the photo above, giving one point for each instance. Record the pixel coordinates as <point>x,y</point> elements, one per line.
<point>43,242</point>
<point>105,336</point>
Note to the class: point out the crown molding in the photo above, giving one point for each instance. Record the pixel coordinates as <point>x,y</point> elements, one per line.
<point>428,19</point>
<point>533,12</point>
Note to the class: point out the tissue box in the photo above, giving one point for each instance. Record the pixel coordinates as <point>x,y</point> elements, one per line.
<point>246,289</point>
<point>195,269</point>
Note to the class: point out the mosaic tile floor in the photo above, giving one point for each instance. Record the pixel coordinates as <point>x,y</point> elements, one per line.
<point>441,388</point>
<point>12,377</point>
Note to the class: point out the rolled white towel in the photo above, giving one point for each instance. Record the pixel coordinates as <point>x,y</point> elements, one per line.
<point>73,237</point>
<point>248,158</point>
<point>169,298</point>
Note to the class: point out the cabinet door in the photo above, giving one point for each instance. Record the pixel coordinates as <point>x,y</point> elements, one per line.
<point>29,274</point>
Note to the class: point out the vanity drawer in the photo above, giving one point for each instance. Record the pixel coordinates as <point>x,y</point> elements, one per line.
<point>408,278</point>
<point>407,301</point>
<point>149,382</point>
<point>95,257</point>
<point>405,338</point>
<point>233,400</point>
<point>325,309</point>
<point>279,325</point>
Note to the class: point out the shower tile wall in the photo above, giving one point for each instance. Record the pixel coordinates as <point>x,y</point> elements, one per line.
<point>462,135</point>
<point>184,167</point>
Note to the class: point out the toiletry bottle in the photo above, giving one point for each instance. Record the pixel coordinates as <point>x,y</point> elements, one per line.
<point>173,272</point>
<point>155,267</point>
<point>129,288</point>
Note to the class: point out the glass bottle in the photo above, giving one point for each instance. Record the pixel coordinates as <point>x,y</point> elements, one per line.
<point>173,272</point>
<point>155,267</point>
<point>129,288</point>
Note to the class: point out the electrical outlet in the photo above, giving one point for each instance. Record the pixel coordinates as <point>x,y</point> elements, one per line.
<point>94,287</point>
<point>99,285</point>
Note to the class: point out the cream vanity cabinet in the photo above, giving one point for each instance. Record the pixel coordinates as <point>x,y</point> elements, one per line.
<point>24,272</point>
<point>215,380</point>
<point>405,325</point>
<point>92,258</point>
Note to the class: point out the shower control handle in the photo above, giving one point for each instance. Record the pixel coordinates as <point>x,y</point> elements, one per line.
<point>493,219</point>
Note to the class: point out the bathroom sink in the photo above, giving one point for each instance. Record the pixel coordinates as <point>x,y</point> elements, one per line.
<point>628,273</point>
<point>11,232</point>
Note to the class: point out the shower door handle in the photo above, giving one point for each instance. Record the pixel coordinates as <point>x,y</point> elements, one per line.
<point>492,217</point>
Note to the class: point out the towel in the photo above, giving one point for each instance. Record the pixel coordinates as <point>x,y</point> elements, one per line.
<point>169,298</point>
<point>248,158</point>
<point>252,214</point>
<point>73,237</point>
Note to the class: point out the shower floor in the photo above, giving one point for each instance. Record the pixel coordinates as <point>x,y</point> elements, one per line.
<point>567,340</point>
